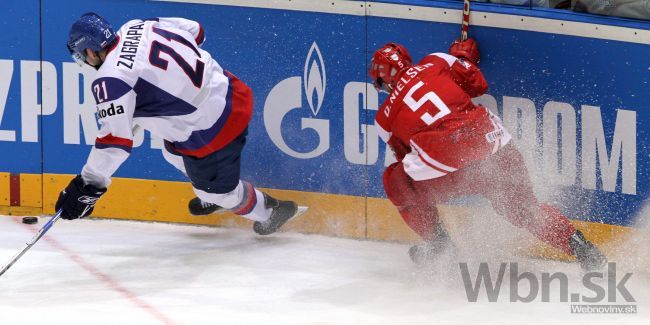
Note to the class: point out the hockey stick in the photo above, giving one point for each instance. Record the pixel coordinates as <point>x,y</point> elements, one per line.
<point>464,30</point>
<point>31,243</point>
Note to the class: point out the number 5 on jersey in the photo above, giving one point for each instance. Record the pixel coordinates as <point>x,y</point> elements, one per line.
<point>431,97</point>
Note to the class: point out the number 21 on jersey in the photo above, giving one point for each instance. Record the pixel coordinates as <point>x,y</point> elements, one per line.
<point>194,73</point>
<point>100,92</point>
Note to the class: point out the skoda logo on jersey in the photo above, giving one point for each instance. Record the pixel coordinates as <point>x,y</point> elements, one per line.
<point>110,111</point>
<point>287,96</point>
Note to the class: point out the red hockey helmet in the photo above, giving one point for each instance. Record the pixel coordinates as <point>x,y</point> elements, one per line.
<point>387,64</point>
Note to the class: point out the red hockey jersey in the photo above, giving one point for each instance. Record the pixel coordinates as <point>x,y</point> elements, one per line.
<point>431,123</point>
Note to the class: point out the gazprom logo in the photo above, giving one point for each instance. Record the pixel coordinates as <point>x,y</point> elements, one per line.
<point>287,96</point>
<point>315,78</point>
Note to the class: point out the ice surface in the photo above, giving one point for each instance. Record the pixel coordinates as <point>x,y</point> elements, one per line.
<point>121,272</point>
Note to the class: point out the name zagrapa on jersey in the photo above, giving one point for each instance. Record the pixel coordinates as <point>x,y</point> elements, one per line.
<point>130,45</point>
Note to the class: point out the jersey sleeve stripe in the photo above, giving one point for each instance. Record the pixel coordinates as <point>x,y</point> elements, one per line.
<point>110,141</point>
<point>200,38</point>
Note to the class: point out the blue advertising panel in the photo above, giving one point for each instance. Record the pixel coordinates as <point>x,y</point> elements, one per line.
<point>297,69</point>
<point>577,105</point>
<point>21,102</point>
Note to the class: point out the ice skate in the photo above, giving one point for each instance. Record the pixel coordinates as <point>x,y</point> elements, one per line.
<point>282,212</point>
<point>199,207</point>
<point>430,250</point>
<point>586,253</point>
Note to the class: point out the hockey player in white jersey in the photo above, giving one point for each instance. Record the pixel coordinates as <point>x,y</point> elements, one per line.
<point>153,74</point>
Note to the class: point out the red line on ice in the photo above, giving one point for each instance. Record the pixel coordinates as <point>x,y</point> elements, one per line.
<point>104,278</point>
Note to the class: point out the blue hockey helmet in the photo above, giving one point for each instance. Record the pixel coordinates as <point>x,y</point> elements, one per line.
<point>90,31</point>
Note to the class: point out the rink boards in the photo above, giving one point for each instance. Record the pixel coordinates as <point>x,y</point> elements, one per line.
<point>573,89</point>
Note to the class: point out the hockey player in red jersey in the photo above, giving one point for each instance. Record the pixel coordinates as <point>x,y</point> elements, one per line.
<point>446,146</point>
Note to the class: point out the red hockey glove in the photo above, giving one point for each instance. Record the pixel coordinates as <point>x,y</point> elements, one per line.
<point>466,49</point>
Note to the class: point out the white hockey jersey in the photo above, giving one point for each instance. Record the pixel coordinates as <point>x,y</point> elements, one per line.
<point>158,78</point>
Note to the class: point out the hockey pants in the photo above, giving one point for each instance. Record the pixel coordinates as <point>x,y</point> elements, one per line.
<point>502,178</point>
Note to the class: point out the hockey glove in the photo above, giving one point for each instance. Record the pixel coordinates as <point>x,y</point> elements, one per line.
<point>78,199</point>
<point>467,50</point>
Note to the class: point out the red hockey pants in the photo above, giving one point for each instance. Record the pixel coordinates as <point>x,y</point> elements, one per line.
<point>502,178</point>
